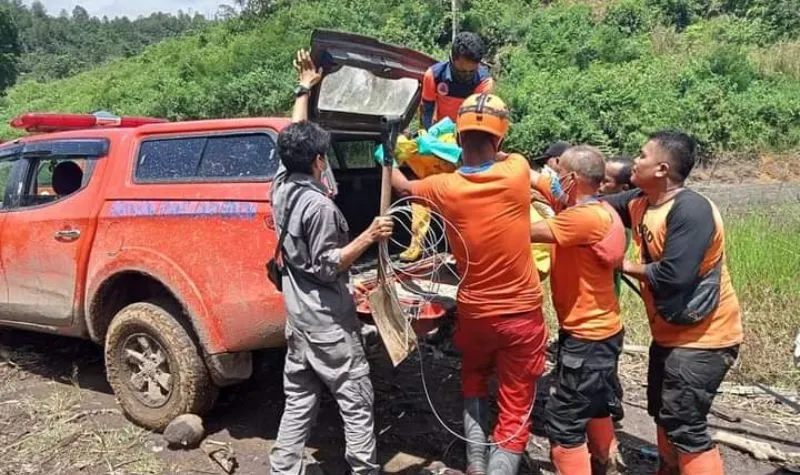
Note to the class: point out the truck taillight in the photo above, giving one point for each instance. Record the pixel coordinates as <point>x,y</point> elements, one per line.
<point>47,122</point>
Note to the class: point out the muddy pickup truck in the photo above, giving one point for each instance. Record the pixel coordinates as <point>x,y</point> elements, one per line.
<point>150,237</point>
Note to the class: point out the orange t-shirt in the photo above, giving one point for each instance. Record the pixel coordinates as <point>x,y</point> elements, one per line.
<point>489,207</point>
<point>582,285</point>
<point>685,239</point>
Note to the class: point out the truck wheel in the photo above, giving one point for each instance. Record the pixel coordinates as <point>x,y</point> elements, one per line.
<point>155,367</point>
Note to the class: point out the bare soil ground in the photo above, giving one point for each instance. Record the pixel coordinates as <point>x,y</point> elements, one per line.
<point>750,169</point>
<point>57,415</point>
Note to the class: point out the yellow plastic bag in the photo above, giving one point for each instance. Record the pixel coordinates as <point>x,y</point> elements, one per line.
<point>423,166</point>
<point>540,251</point>
<point>405,148</point>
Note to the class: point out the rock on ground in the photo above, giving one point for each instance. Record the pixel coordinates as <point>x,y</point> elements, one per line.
<point>185,431</point>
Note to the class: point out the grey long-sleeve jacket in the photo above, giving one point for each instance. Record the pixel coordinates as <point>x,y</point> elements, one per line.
<point>316,293</point>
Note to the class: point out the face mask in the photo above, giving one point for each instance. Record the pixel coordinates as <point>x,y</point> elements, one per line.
<point>569,187</point>
<point>328,180</point>
<point>555,182</point>
<point>461,76</point>
<point>562,187</point>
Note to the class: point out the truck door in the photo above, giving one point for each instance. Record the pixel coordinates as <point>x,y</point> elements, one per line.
<point>10,166</point>
<point>48,229</point>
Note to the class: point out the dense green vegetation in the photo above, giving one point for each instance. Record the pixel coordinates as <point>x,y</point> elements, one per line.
<point>55,47</point>
<point>604,72</point>
<point>9,50</point>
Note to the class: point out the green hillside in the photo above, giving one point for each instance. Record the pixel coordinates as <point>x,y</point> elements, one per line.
<point>54,47</point>
<point>601,72</point>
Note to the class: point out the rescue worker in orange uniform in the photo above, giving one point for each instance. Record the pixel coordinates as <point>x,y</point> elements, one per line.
<point>694,315</point>
<point>446,84</point>
<point>500,327</point>
<point>589,244</point>
<point>444,87</point>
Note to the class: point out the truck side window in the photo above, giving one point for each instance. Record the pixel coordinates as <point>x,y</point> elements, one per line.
<point>171,159</point>
<point>239,156</point>
<point>52,179</point>
<point>6,167</point>
<point>217,157</point>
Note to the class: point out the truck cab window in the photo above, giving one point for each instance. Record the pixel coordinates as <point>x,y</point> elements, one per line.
<point>52,179</point>
<point>239,157</point>
<point>6,169</point>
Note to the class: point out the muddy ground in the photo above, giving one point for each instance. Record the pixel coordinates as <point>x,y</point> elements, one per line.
<point>57,415</point>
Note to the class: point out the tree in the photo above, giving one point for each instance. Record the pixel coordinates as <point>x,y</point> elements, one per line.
<point>38,10</point>
<point>9,50</point>
<point>80,14</point>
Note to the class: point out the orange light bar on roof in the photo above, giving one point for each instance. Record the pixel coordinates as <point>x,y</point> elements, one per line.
<point>49,122</point>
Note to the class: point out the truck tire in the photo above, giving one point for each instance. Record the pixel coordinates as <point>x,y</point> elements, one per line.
<point>155,367</point>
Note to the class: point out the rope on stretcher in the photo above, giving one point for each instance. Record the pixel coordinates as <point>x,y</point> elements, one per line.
<point>430,244</point>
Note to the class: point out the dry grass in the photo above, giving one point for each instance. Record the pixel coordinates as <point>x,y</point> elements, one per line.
<point>44,430</point>
<point>778,59</point>
<point>764,261</point>
<point>598,7</point>
<point>664,39</point>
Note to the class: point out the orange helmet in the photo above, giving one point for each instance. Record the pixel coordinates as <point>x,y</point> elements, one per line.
<point>485,113</point>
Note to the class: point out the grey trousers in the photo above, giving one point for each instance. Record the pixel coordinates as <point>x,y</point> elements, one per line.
<point>334,360</point>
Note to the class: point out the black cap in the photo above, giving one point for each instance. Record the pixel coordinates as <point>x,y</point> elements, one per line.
<point>555,149</point>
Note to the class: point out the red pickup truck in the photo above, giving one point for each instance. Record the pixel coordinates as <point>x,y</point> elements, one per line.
<point>150,237</point>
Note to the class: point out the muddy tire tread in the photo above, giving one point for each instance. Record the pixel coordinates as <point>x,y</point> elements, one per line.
<point>194,389</point>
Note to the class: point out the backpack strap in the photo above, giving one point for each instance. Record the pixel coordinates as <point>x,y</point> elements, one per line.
<point>296,193</point>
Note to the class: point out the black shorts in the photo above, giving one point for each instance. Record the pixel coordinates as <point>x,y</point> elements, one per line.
<point>585,387</point>
<point>681,385</point>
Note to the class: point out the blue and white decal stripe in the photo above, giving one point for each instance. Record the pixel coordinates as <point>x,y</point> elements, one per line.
<point>185,209</point>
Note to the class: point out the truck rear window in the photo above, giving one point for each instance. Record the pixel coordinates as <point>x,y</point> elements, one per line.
<point>242,157</point>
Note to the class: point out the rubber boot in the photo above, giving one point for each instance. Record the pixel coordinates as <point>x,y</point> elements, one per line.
<point>704,463</point>
<point>667,454</point>
<point>476,427</point>
<point>503,462</point>
<point>603,447</point>
<point>571,461</point>
<point>420,222</point>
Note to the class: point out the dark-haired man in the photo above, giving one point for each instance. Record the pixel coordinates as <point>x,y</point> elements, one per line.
<point>322,328</point>
<point>618,179</point>
<point>448,83</point>
<point>695,319</point>
<point>619,170</point>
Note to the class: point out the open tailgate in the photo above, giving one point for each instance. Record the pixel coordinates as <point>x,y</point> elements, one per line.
<point>363,81</point>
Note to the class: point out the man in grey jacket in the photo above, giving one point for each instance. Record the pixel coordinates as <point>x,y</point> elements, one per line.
<point>322,330</point>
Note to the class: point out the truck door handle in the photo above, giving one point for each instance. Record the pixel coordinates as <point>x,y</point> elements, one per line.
<point>67,235</point>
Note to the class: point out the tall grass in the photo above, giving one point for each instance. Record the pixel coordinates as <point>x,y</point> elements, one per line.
<point>764,259</point>
<point>777,59</point>
<point>763,255</point>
